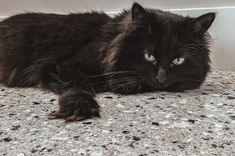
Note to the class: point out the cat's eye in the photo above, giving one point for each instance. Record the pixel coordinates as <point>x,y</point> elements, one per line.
<point>150,58</point>
<point>178,61</point>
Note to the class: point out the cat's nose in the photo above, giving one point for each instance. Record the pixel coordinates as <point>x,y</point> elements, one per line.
<point>161,76</point>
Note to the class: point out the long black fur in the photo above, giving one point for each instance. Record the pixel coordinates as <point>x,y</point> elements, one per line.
<point>80,55</point>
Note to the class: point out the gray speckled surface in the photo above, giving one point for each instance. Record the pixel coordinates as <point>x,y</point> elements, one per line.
<point>199,122</point>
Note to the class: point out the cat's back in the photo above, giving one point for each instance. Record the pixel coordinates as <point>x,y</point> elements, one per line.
<point>21,23</point>
<point>39,32</point>
<point>27,38</point>
<point>33,22</point>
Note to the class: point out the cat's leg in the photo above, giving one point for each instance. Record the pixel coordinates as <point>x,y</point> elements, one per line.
<point>76,99</point>
<point>75,105</point>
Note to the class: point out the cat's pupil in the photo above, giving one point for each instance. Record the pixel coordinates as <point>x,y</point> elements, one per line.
<point>150,58</point>
<point>178,61</point>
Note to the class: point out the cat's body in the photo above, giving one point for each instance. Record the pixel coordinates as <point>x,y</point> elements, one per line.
<point>79,55</point>
<point>49,40</point>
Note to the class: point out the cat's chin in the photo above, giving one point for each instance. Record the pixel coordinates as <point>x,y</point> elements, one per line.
<point>181,87</point>
<point>171,88</point>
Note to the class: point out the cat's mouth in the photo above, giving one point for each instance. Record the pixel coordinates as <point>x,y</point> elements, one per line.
<point>155,84</point>
<point>187,83</point>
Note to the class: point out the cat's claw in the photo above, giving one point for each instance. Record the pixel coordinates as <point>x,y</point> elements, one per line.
<point>76,109</point>
<point>75,116</point>
<point>76,106</point>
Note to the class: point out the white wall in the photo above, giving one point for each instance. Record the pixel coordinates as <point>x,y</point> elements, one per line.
<point>8,7</point>
<point>223,30</point>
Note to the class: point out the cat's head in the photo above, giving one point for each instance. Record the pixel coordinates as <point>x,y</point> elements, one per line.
<point>162,50</point>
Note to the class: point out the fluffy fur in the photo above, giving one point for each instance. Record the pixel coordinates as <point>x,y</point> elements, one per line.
<point>79,55</point>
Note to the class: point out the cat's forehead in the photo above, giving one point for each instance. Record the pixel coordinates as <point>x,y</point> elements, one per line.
<point>165,17</point>
<point>169,32</point>
<point>167,22</point>
<point>168,39</point>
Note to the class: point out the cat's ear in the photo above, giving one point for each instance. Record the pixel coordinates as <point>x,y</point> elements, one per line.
<point>138,12</point>
<point>203,23</point>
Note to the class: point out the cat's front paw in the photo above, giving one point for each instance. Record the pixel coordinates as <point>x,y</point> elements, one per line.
<point>76,106</point>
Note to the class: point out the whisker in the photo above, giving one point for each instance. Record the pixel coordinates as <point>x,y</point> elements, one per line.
<point>196,50</point>
<point>117,83</point>
<point>113,73</point>
<point>115,80</point>
<point>125,84</point>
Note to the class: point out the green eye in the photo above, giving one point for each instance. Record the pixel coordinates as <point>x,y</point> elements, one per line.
<point>150,58</point>
<point>178,61</point>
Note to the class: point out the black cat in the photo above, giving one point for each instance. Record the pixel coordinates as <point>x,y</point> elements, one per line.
<point>79,55</point>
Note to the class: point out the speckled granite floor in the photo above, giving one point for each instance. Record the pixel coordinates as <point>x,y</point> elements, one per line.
<point>199,122</point>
